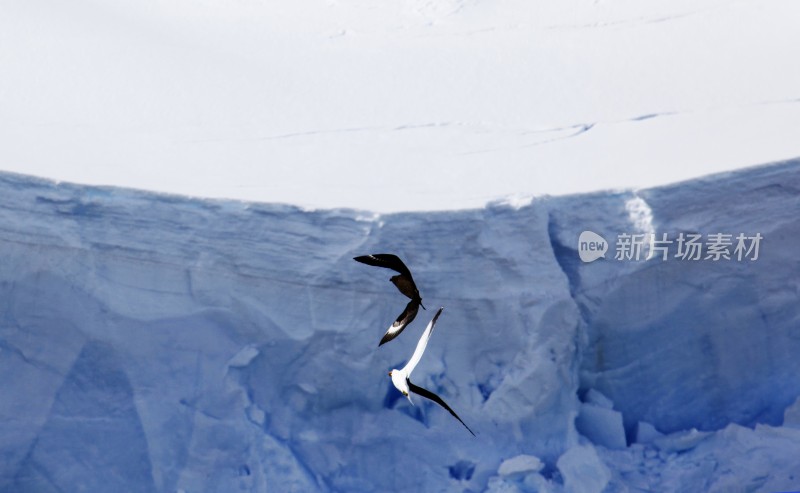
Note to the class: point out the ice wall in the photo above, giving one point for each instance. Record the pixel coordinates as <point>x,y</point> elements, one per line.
<point>159,343</point>
<point>714,339</point>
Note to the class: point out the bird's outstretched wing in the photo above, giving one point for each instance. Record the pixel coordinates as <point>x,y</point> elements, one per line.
<point>402,321</point>
<point>422,344</point>
<point>404,283</point>
<point>386,260</point>
<point>435,398</point>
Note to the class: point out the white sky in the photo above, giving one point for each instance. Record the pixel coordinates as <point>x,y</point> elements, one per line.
<point>401,105</point>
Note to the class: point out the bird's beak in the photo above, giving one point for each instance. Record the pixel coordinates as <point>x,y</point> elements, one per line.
<point>390,374</point>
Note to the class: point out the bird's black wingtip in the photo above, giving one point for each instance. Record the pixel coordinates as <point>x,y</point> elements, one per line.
<point>436,316</point>
<point>388,336</point>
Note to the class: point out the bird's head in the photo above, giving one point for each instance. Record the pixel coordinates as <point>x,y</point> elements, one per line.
<point>399,382</point>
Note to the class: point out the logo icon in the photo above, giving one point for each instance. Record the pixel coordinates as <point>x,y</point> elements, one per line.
<point>591,246</point>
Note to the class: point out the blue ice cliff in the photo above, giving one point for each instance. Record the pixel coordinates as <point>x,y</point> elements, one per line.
<point>153,343</point>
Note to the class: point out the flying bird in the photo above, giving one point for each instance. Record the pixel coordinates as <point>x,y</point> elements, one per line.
<point>401,378</point>
<point>404,283</point>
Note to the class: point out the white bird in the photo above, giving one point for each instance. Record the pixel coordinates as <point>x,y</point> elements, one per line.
<point>401,378</point>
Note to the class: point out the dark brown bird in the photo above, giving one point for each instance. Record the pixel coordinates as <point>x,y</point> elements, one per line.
<point>404,282</point>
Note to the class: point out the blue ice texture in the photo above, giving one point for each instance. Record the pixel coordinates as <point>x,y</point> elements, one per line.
<point>154,343</point>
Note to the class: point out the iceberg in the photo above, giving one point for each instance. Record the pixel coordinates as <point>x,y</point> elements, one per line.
<point>159,343</point>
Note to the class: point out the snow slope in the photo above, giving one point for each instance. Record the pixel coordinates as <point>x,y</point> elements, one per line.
<point>323,103</point>
<point>159,343</point>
